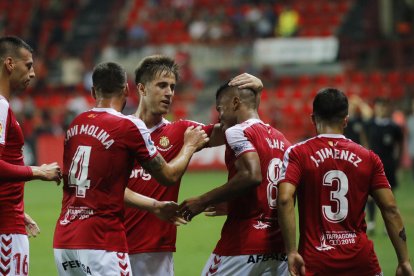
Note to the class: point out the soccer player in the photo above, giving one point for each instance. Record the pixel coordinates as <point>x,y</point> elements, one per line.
<point>151,242</point>
<point>99,152</point>
<point>332,177</point>
<point>15,74</point>
<point>251,242</point>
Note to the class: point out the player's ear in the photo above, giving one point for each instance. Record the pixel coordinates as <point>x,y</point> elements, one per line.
<point>313,119</point>
<point>141,89</point>
<point>93,92</point>
<point>9,64</point>
<point>236,102</point>
<point>345,123</point>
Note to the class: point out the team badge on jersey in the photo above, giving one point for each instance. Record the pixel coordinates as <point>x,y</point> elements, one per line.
<point>164,141</point>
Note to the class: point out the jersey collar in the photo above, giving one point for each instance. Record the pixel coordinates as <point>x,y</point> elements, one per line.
<point>341,136</point>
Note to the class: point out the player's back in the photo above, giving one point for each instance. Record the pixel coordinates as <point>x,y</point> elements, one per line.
<point>100,147</point>
<point>253,214</point>
<point>334,177</point>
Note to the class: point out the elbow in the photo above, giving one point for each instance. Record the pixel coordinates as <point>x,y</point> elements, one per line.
<point>253,179</point>
<point>283,200</point>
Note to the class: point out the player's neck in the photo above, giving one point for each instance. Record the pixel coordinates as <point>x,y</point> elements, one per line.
<point>247,115</point>
<point>150,119</point>
<point>113,103</point>
<point>329,129</point>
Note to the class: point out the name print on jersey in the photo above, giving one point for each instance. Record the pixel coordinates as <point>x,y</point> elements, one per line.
<point>91,130</point>
<point>326,153</point>
<point>275,144</point>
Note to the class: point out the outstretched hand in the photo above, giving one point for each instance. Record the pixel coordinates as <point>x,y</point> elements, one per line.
<point>219,209</point>
<point>191,207</point>
<point>246,80</point>
<point>167,211</point>
<point>48,172</point>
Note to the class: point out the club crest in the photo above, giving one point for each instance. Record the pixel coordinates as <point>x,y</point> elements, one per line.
<point>164,142</point>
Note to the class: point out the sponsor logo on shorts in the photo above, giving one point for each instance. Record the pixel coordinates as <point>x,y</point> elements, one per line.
<point>76,264</point>
<point>214,266</point>
<point>260,258</point>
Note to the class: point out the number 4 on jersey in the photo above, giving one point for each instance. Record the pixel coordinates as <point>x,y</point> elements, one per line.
<point>78,172</point>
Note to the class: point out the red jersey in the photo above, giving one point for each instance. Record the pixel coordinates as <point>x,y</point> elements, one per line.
<point>100,148</point>
<point>251,226</point>
<point>334,177</point>
<point>145,232</point>
<point>11,192</point>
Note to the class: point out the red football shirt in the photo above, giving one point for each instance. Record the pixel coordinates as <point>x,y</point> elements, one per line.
<point>145,232</point>
<point>334,177</point>
<point>251,226</point>
<point>100,148</point>
<point>11,192</point>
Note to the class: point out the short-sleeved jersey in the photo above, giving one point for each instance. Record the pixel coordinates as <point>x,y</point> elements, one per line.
<point>11,193</point>
<point>334,177</point>
<point>145,232</point>
<point>99,152</point>
<point>251,226</point>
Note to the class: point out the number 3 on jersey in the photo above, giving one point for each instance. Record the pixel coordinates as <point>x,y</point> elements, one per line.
<point>78,172</point>
<point>337,197</point>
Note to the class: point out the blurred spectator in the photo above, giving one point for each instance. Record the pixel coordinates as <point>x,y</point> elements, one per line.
<point>358,112</point>
<point>410,128</point>
<point>72,70</point>
<point>288,22</point>
<point>385,138</point>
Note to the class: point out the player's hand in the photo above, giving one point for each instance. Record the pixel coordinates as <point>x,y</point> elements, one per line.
<point>296,264</point>
<point>48,172</point>
<point>191,207</point>
<point>404,269</point>
<point>32,228</point>
<point>167,211</point>
<point>246,80</point>
<point>219,209</point>
<point>195,137</point>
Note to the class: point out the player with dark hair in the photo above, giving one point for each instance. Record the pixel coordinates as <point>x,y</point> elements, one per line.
<point>151,242</point>
<point>100,148</point>
<point>15,74</point>
<point>251,242</point>
<point>332,177</point>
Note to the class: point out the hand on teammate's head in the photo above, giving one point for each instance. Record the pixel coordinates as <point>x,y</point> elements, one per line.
<point>246,80</point>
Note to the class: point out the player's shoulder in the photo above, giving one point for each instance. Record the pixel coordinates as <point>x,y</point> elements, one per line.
<point>187,123</point>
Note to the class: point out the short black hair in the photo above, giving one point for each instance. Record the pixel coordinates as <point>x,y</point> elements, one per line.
<point>330,105</point>
<point>108,78</point>
<point>150,66</point>
<point>247,94</point>
<point>10,45</point>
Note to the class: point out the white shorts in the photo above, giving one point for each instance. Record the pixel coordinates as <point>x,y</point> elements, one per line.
<point>152,264</point>
<point>14,254</point>
<point>74,262</point>
<point>244,265</point>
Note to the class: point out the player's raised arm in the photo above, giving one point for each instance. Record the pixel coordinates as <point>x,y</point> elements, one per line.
<point>246,80</point>
<point>248,175</point>
<point>169,173</point>
<point>395,228</point>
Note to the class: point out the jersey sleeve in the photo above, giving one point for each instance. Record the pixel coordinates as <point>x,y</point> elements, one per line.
<point>207,128</point>
<point>10,172</point>
<point>238,142</point>
<point>379,180</point>
<point>138,139</point>
<point>291,167</point>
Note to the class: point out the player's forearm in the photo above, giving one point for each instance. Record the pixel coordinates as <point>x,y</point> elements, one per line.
<point>287,222</point>
<point>174,170</point>
<point>237,185</point>
<point>10,172</point>
<point>217,137</point>
<point>142,202</point>
<point>396,231</point>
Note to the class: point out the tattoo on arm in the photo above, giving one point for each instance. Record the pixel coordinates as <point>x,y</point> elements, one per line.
<point>153,165</point>
<point>402,234</point>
